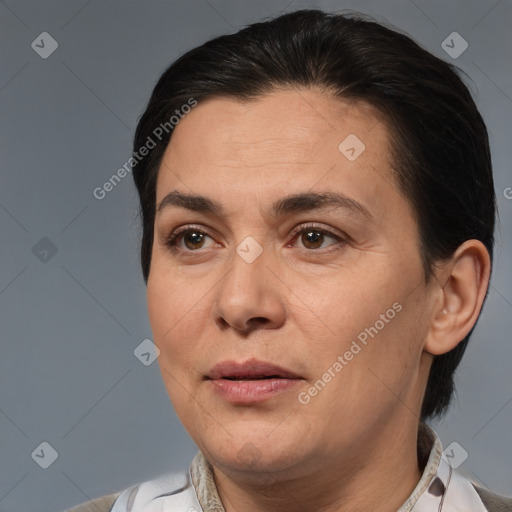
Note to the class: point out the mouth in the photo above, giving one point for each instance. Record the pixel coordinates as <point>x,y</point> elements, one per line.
<point>250,382</point>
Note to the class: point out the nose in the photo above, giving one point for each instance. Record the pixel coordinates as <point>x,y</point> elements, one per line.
<point>250,296</point>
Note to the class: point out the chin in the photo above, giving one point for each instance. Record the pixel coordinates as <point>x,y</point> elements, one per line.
<point>249,454</point>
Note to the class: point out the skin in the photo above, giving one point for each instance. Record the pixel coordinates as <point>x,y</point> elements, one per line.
<point>301,303</point>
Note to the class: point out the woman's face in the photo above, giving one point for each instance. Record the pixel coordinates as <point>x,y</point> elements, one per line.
<point>331,293</point>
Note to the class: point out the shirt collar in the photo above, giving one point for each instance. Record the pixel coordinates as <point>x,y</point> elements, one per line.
<point>431,450</point>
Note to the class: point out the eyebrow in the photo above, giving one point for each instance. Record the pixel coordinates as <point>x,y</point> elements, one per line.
<point>293,203</point>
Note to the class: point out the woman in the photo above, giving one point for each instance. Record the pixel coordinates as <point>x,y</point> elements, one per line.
<point>318,212</point>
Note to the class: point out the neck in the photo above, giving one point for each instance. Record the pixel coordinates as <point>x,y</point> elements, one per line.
<point>377,475</point>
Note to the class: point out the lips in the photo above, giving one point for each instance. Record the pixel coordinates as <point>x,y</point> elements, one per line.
<point>253,369</point>
<point>251,382</point>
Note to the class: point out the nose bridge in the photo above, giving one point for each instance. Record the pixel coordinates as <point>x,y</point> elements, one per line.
<point>245,276</point>
<point>248,291</point>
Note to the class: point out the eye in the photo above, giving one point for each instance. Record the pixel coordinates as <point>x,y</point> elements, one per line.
<point>193,239</point>
<point>312,237</point>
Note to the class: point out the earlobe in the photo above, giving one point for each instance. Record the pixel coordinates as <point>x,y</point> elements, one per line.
<point>463,285</point>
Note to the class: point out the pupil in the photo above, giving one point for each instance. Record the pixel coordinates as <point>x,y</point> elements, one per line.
<point>194,238</point>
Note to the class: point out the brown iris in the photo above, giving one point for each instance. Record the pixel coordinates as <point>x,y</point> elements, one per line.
<point>312,237</point>
<point>195,238</point>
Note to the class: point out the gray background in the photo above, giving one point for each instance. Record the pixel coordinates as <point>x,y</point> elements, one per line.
<point>70,321</point>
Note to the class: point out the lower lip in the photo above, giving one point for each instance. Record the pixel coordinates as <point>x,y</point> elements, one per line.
<point>248,391</point>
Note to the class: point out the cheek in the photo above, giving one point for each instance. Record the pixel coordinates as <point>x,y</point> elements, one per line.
<point>334,311</point>
<point>373,319</point>
<point>176,314</point>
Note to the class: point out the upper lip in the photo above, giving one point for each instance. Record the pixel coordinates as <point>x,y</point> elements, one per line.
<point>253,368</point>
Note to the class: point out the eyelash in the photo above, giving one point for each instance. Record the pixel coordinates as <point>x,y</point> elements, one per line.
<point>171,241</point>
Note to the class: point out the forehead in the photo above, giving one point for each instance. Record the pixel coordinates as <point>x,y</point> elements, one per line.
<point>284,142</point>
<point>283,124</point>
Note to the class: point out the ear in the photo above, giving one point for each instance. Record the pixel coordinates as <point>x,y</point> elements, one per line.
<point>461,288</point>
